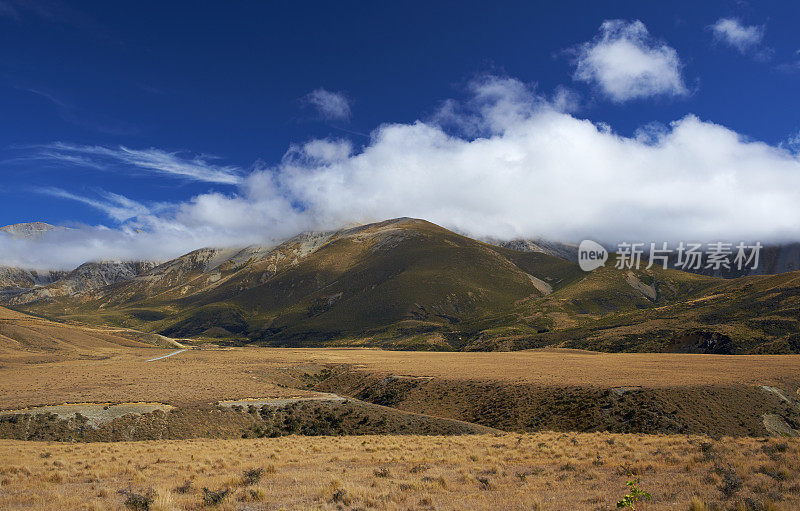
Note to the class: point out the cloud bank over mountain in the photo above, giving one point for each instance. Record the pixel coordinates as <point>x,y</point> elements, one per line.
<point>508,162</point>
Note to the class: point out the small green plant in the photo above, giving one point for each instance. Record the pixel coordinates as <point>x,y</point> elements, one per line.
<point>186,487</point>
<point>419,468</point>
<point>340,495</point>
<point>252,476</point>
<point>214,497</point>
<point>731,483</point>
<point>634,496</point>
<point>138,501</point>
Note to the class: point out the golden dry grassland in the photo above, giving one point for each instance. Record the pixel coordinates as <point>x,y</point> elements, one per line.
<point>43,363</point>
<point>207,376</point>
<point>509,472</point>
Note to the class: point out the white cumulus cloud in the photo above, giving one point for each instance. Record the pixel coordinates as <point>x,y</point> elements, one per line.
<point>521,167</point>
<point>742,37</point>
<point>627,63</point>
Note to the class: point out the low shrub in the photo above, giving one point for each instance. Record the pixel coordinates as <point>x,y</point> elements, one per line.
<point>214,497</point>
<point>138,501</point>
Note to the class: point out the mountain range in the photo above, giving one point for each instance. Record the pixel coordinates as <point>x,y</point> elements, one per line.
<point>410,284</point>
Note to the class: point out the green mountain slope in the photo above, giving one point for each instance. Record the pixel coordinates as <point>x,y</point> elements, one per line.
<point>410,284</point>
<point>403,282</point>
<point>406,281</point>
<point>666,310</point>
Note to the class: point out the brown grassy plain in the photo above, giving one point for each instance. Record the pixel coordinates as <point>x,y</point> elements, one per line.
<point>46,363</point>
<point>206,376</point>
<point>511,472</point>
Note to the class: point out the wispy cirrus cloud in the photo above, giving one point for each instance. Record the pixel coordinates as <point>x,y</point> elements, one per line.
<point>116,206</point>
<point>195,168</point>
<point>627,63</point>
<point>331,106</point>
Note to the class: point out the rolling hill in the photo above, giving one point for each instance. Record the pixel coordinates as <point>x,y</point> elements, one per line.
<point>34,340</point>
<point>403,279</point>
<point>410,284</point>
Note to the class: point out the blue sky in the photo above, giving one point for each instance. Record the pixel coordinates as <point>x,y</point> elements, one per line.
<point>130,114</point>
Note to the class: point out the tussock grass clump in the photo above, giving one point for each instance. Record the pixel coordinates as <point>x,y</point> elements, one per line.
<point>163,501</point>
<point>341,496</point>
<point>774,450</point>
<point>697,504</point>
<point>184,488</point>
<point>253,495</point>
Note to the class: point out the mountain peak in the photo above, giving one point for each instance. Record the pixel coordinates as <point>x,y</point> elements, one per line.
<point>29,229</point>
